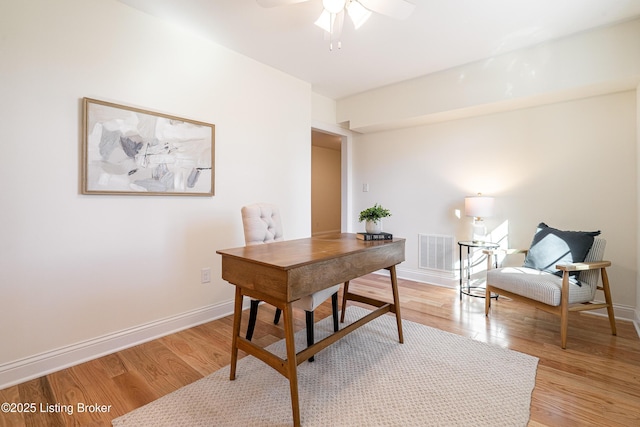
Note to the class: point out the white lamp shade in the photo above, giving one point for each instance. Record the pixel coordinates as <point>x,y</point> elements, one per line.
<point>478,206</point>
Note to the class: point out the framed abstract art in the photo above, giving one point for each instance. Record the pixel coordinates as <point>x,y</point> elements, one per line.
<point>127,150</point>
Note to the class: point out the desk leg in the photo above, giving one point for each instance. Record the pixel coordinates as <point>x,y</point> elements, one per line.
<point>237,318</point>
<point>396,301</point>
<point>292,365</point>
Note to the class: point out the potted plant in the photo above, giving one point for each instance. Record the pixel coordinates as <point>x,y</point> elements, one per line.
<point>373,217</point>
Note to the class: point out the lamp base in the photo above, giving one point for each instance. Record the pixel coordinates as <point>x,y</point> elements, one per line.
<point>479,231</point>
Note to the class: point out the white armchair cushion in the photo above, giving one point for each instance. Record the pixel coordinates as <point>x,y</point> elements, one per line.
<point>538,285</point>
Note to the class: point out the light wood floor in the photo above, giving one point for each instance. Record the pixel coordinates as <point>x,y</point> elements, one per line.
<point>594,382</point>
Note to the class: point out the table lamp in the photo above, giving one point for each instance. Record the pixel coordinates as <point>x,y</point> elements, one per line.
<point>478,207</point>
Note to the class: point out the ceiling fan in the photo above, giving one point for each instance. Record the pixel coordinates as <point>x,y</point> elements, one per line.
<point>332,16</point>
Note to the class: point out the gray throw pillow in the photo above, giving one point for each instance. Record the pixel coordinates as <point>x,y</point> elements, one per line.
<point>551,246</point>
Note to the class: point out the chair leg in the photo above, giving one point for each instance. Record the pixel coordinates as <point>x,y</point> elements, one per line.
<point>253,314</point>
<point>487,300</point>
<point>564,310</point>
<point>334,306</point>
<point>607,298</point>
<point>310,339</point>
<point>276,318</point>
<point>345,290</point>
<point>564,326</point>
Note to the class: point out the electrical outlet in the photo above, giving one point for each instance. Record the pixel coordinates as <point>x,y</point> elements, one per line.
<point>205,275</point>
<point>365,187</point>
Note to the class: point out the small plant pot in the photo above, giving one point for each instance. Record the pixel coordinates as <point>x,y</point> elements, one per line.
<point>373,227</point>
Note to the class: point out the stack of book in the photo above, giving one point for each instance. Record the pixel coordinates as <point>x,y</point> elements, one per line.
<point>376,236</point>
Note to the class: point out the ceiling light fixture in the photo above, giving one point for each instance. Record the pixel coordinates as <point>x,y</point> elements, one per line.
<point>334,6</point>
<point>332,17</point>
<point>333,11</point>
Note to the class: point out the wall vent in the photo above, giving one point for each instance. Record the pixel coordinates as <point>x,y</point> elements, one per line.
<point>436,252</point>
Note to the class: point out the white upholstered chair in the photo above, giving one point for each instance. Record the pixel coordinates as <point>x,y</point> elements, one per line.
<point>262,225</point>
<point>572,288</point>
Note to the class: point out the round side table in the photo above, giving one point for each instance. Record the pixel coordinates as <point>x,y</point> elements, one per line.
<point>466,288</point>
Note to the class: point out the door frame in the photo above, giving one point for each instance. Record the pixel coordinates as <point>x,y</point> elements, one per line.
<point>346,152</point>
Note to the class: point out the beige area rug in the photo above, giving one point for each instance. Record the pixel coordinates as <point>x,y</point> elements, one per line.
<point>365,379</point>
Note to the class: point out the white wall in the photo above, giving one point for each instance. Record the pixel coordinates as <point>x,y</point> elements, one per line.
<point>571,164</point>
<point>323,109</point>
<point>79,270</point>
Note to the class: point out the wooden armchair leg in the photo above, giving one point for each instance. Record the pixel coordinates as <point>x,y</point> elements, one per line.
<point>564,326</point>
<point>487,300</point>
<point>607,298</point>
<point>564,310</point>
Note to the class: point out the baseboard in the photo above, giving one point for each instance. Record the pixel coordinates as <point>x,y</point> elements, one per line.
<point>621,312</point>
<point>31,367</point>
<point>325,233</point>
<point>447,280</point>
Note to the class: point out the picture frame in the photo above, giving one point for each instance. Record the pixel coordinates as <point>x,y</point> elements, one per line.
<point>131,151</point>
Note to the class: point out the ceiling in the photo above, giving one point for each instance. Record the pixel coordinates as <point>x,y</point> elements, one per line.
<point>440,34</point>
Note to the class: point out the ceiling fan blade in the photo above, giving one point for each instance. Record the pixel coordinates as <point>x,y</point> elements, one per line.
<point>398,9</point>
<point>275,3</point>
<point>325,21</point>
<point>358,13</point>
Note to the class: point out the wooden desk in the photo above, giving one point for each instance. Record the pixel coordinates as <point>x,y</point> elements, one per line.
<point>282,272</point>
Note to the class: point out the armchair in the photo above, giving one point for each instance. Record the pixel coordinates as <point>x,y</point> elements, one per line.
<point>567,280</point>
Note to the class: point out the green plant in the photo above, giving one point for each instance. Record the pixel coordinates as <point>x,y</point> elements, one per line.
<point>374,213</point>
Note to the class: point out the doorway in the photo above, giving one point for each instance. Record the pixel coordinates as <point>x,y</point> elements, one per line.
<point>326,183</point>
